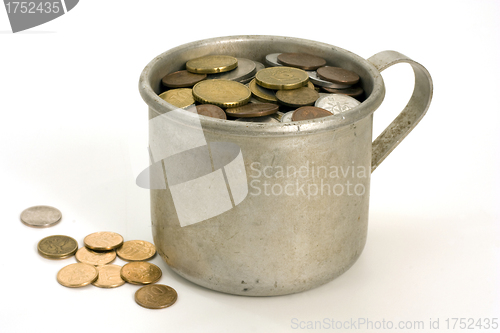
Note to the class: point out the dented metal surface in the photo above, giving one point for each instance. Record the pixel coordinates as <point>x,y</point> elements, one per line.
<point>276,244</point>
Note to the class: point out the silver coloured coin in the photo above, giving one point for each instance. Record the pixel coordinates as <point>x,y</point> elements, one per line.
<point>246,68</point>
<point>272,60</point>
<point>336,103</point>
<point>287,117</point>
<point>255,100</point>
<point>266,119</point>
<point>278,115</point>
<point>41,216</point>
<point>313,77</point>
<point>258,67</point>
<point>245,81</point>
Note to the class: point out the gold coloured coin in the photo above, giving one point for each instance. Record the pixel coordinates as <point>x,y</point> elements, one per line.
<point>109,277</point>
<point>41,216</point>
<point>223,93</point>
<point>136,250</point>
<point>103,241</point>
<point>282,78</point>
<point>261,93</point>
<point>297,97</point>
<point>181,97</point>
<point>252,110</point>
<point>77,275</point>
<point>94,258</point>
<point>140,272</point>
<point>212,64</point>
<point>267,95</point>
<point>156,296</point>
<point>57,247</point>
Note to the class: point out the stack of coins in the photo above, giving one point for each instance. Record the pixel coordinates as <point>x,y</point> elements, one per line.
<point>93,265</point>
<point>240,89</point>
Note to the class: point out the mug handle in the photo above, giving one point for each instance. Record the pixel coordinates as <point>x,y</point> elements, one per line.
<point>411,114</point>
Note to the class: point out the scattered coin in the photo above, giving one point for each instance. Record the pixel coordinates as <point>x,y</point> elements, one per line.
<point>355,92</point>
<point>337,75</point>
<point>77,275</point>
<point>223,93</point>
<point>303,61</point>
<point>253,110</point>
<point>41,216</point>
<point>140,272</point>
<point>181,97</point>
<point>266,119</point>
<point>272,60</point>
<point>212,64</point>
<point>309,112</point>
<point>57,247</point>
<point>182,79</point>
<point>94,258</point>
<point>297,97</point>
<point>136,250</point>
<point>282,78</point>
<point>103,241</point>
<point>156,296</point>
<point>109,277</point>
<point>336,103</point>
<point>246,68</point>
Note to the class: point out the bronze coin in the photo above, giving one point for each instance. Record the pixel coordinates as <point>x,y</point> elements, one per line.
<point>109,277</point>
<point>140,272</point>
<point>57,247</point>
<point>252,110</point>
<point>103,241</point>
<point>136,250</point>
<point>182,79</point>
<point>156,296</point>
<point>307,62</point>
<point>309,112</point>
<point>297,97</point>
<point>353,91</point>
<point>94,258</point>
<point>77,275</point>
<point>337,75</point>
<point>211,110</point>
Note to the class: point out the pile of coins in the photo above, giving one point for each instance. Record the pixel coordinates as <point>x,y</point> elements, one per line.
<point>290,87</point>
<point>94,258</point>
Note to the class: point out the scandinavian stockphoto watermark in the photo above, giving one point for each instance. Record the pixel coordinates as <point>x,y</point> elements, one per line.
<point>24,15</point>
<point>368,324</point>
<point>308,180</point>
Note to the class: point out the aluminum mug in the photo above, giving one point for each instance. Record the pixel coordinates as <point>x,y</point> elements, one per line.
<point>301,218</point>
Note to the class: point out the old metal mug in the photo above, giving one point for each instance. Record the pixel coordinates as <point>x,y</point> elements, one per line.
<point>303,218</point>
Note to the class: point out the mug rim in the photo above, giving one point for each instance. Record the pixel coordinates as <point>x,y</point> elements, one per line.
<point>364,109</point>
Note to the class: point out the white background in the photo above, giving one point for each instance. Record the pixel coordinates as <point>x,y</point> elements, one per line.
<point>73,134</point>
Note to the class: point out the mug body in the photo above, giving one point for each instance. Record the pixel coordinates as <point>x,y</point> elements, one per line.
<point>300,220</point>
